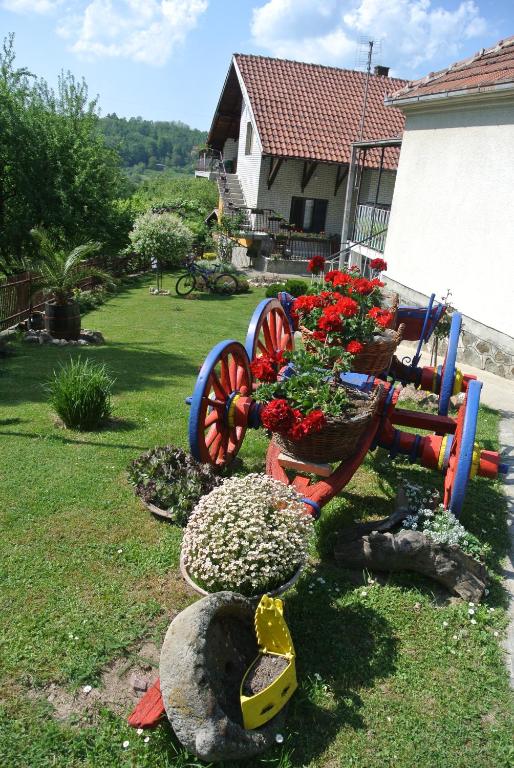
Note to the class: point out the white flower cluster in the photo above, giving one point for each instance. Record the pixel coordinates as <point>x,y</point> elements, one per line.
<point>437,523</point>
<point>249,535</point>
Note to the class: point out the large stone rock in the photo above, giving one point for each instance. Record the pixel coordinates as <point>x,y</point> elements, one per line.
<point>207,649</point>
<point>92,337</point>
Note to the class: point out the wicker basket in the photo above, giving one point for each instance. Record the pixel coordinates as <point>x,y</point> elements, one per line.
<point>377,354</point>
<point>375,357</point>
<point>337,440</point>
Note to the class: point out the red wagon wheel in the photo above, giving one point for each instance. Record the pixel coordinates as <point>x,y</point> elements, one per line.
<point>214,437</point>
<point>269,331</point>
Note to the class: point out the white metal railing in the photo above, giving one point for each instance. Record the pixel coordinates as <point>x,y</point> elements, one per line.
<point>369,225</point>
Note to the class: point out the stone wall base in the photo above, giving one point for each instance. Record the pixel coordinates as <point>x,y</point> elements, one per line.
<point>479,345</point>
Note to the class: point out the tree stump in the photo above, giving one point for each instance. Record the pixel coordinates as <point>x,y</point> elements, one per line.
<point>413,551</point>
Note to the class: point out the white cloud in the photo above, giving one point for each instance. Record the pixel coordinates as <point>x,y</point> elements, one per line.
<point>412,32</point>
<point>30,6</point>
<point>141,30</point>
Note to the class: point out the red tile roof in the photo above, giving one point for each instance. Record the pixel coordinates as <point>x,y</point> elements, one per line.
<point>313,112</point>
<point>485,70</point>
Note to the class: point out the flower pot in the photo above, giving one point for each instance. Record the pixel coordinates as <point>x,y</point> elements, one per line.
<point>62,321</point>
<point>158,512</point>
<point>376,355</point>
<point>274,593</point>
<point>339,438</point>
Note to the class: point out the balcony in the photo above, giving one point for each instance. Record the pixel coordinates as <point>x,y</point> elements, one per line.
<point>208,163</point>
<point>371,227</point>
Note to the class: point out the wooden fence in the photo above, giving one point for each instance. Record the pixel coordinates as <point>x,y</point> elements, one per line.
<point>18,300</point>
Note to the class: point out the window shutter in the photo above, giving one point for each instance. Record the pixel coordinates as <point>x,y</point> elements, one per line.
<point>297,210</point>
<point>319,215</point>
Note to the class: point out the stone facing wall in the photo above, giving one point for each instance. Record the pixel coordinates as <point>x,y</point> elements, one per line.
<point>485,354</point>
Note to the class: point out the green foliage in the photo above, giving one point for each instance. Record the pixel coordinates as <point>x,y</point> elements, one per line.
<point>161,236</point>
<point>80,393</point>
<point>145,144</point>
<point>312,387</point>
<point>274,289</point>
<point>61,272</point>
<point>296,287</point>
<point>56,171</point>
<point>172,480</point>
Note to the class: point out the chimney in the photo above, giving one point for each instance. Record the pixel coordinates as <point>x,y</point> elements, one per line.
<point>381,71</point>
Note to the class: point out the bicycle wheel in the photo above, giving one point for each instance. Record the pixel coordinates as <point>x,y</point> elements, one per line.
<point>225,283</point>
<point>185,284</point>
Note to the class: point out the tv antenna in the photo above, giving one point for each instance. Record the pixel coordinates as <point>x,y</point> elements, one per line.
<point>367,49</point>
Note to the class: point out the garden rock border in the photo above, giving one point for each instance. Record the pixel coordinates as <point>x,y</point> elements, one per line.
<point>86,338</point>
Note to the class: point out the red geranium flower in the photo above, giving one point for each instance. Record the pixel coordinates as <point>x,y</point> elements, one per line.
<point>330,320</point>
<point>362,286</point>
<point>347,307</point>
<point>316,264</point>
<point>314,422</point>
<point>342,279</point>
<point>262,368</point>
<point>379,265</point>
<point>354,347</point>
<point>319,336</point>
<point>382,317</point>
<point>278,416</point>
<point>329,277</point>
<point>376,283</point>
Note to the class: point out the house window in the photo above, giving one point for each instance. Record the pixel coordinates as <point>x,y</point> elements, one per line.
<point>249,139</point>
<point>308,214</point>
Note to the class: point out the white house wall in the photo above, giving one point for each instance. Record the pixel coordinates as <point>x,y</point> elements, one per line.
<point>288,184</point>
<point>452,221</point>
<point>248,166</point>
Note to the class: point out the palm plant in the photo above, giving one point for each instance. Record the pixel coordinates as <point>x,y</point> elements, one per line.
<point>60,271</point>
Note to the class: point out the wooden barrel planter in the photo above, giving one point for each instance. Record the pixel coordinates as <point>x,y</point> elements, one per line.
<point>62,321</point>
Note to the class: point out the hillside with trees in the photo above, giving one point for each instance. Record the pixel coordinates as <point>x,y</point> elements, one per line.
<point>148,145</point>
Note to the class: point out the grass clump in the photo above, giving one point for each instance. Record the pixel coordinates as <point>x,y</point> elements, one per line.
<point>80,393</point>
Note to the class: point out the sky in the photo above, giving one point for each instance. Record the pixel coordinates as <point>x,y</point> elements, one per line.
<point>167,59</point>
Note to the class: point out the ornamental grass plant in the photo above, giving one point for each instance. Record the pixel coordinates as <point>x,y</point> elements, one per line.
<point>80,394</point>
<point>249,535</point>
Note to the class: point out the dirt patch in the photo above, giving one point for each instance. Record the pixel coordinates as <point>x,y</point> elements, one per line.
<point>266,669</point>
<point>122,685</point>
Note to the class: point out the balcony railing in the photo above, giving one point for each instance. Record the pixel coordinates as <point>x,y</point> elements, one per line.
<point>209,161</point>
<point>370,224</point>
<point>298,248</point>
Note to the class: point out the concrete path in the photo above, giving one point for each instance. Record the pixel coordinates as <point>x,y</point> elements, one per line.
<point>497,393</point>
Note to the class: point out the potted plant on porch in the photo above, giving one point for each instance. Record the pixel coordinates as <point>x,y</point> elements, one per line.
<point>59,273</point>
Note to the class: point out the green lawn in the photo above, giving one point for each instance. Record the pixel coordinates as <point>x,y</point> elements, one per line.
<point>86,575</point>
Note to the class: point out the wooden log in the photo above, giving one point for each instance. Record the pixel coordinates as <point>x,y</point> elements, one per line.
<point>413,551</point>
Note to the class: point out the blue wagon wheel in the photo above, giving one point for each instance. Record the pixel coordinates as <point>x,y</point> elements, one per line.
<point>269,331</point>
<point>214,438</point>
<point>448,370</point>
<point>461,454</point>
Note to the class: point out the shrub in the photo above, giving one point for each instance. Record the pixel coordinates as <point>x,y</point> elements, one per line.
<point>161,236</point>
<point>249,535</point>
<point>80,393</point>
<point>273,289</point>
<point>296,287</point>
<point>171,479</point>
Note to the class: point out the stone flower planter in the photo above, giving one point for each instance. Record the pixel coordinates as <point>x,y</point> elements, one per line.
<point>274,593</point>
<point>207,650</point>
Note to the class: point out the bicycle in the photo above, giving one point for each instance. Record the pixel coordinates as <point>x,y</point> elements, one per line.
<point>214,280</point>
